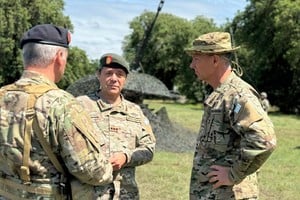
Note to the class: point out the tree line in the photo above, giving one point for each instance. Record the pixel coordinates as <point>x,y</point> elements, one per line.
<point>268,32</point>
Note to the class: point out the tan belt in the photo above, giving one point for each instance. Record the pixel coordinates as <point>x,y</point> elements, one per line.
<point>117,185</point>
<point>52,190</point>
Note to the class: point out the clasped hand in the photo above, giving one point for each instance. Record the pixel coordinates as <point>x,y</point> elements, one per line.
<point>117,160</point>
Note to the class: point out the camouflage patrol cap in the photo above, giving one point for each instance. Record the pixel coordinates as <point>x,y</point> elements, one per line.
<point>114,61</point>
<point>47,34</point>
<point>212,43</point>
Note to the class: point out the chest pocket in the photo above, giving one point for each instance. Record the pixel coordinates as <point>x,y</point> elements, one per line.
<point>217,132</point>
<point>123,130</point>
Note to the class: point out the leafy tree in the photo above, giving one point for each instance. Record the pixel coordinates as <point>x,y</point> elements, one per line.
<point>164,56</point>
<point>186,80</point>
<point>16,17</point>
<point>13,21</point>
<point>78,66</point>
<point>164,53</point>
<point>270,30</point>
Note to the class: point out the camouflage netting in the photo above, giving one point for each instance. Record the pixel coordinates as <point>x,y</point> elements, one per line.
<point>170,136</point>
<point>142,84</point>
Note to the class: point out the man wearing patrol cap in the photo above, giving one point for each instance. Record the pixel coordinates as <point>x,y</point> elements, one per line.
<point>129,140</point>
<point>114,61</point>
<point>236,136</point>
<point>47,139</point>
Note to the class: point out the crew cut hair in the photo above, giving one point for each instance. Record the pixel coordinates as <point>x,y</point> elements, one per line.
<point>39,55</point>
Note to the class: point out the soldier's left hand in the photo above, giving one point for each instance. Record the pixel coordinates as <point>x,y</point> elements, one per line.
<point>219,176</point>
<point>117,160</point>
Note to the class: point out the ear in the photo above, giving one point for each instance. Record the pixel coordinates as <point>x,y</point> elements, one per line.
<point>61,57</point>
<point>216,59</point>
<point>98,72</point>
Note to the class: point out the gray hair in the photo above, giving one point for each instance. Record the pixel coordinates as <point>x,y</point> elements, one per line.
<point>227,57</point>
<point>39,55</point>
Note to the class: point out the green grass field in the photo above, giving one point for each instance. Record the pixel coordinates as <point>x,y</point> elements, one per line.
<point>167,176</point>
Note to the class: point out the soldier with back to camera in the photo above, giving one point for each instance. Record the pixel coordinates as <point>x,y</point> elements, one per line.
<point>47,140</point>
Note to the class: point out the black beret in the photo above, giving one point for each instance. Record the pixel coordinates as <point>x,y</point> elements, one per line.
<point>114,61</point>
<point>47,34</point>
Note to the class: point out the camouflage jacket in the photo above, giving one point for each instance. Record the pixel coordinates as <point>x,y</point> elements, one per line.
<point>60,117</point>
<point>125,129</point>
<point>235,132</point>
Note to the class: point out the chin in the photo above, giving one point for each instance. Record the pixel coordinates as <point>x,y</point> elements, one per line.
<point>114,91</point>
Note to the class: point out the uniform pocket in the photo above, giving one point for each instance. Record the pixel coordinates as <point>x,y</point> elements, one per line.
<point>221,140</point>
<point>219,131</point>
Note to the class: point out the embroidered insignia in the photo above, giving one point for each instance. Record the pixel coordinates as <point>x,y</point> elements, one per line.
<point>69,37</point>
<point>108,60</point>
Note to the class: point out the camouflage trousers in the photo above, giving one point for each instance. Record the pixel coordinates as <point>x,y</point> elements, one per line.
<point>223,193</point>
<point>204,191</point>
<point>246,190</point>
<point>109,193</point>
<point>119,189</point>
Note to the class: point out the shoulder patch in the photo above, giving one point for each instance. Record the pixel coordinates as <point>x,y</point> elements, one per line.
<point>237,108</point>
<point>83,122</point>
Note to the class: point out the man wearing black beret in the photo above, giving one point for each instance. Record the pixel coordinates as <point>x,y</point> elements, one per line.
<point>47,140</point>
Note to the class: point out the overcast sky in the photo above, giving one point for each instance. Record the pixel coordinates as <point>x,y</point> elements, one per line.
<point>101,25</point>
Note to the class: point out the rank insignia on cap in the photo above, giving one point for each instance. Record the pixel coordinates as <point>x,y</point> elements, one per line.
<point>108,60</point>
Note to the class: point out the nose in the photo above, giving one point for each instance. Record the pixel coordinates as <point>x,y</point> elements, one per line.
<point>114,76</point>
<point>192,65</point>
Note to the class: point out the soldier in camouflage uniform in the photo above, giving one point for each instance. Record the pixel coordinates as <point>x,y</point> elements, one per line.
<point>129,140</point>
<point>264,101</point>
<point>236,135</point>
<point>47,139</point>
